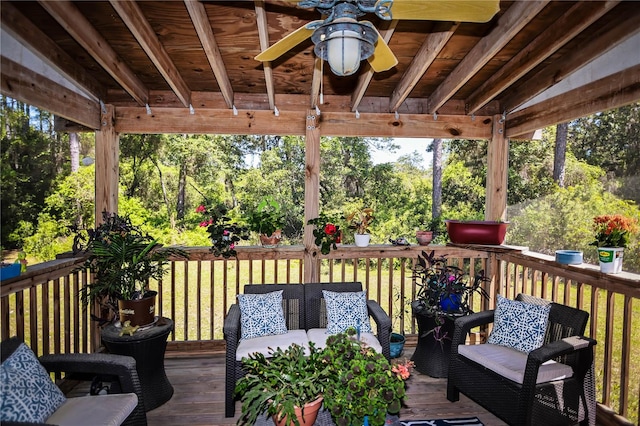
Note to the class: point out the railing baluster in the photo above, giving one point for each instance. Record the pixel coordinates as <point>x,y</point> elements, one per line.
<point>625,361</point>
<point>608,349</point>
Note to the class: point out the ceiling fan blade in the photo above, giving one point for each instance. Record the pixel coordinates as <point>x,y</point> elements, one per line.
<point>287,43</point>
<point>382,58</point>
<point>445,10</point>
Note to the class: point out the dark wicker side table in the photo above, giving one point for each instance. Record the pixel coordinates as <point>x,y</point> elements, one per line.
<point>147,347</point>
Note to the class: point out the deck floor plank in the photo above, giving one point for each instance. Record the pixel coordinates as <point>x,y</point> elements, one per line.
<point>198,397</point>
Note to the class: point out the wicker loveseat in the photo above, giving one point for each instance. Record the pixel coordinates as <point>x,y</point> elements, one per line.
<point>123,405</point>
<point>304,310</point>
<point>530,389</point>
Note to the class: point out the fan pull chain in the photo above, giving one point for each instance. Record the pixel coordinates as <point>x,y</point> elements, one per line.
<point>322,77</point>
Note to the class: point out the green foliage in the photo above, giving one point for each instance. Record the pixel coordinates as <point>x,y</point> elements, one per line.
<point>361,382</point>
<point>266,217</point>
<point>123,259</point>
<point>223,234</point>
<point>275,385</point>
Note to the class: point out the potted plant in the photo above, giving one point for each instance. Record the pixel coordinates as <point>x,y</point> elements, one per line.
<point>363,384</point>
<point>224,233</point>
<point>443,292</point>
<point>612,235</point>
<point>477,231</point>
<point>288,385</point>
<point>267,220</point>
<point>124,259</point>
<point>429,231</point>
<point>326,233</point>
<point>359,221</point>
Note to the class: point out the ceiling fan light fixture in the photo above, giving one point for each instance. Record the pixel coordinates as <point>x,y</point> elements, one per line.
<point>344,45</point>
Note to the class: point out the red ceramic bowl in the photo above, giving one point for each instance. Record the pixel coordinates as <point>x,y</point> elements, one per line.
<point>476,231</point>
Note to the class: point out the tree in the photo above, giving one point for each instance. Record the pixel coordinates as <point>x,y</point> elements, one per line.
<point>560,153</point>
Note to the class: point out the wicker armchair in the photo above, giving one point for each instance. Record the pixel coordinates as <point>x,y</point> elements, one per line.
<point>121,370</point>
<point>562,401</point>
<point>303,307</point>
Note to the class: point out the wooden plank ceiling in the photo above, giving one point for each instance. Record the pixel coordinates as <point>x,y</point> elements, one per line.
<point>185,66</point>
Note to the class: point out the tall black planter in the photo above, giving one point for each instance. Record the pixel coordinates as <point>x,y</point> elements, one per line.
<point>431,356</point>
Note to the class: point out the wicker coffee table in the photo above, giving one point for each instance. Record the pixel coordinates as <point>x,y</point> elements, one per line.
<point>147,347</point>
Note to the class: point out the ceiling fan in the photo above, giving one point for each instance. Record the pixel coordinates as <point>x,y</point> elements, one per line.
<point>343,41</point>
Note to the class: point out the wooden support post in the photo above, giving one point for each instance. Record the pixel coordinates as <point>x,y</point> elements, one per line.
<point>311,196</point>
<point>107,157</point>
<point>497,171</point>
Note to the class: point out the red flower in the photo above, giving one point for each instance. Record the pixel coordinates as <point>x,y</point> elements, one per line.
<point>201,209</point>
<point>329,229</point>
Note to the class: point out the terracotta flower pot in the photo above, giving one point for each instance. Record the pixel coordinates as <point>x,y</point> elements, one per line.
<point>424,237</point>
<point>310,414</point>
<point>271,241</point>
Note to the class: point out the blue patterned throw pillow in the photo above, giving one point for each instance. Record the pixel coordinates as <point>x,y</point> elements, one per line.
<point>519,325</point>
<point>346,309</point>
<point>261,315</point>
<point>27,392</point>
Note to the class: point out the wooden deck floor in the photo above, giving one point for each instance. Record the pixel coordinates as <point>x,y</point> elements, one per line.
<point>198,397</point>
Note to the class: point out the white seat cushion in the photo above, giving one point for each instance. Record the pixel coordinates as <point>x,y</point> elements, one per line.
<point>319,337</point>
<point>262,344</point>
<point>99,410</point>
<point>510,363</point>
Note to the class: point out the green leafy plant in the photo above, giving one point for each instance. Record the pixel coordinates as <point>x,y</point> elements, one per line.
<point>441,284</point>
<point>613,230</point>
<point>123,259</point>
<point>326,233</point>
<point>362,382</point>
<point>360,220</point>
<point>277,384</point>
<point>223,233</point>
<point>266,218</point>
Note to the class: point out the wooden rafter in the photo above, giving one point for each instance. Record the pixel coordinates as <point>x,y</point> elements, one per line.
<point>141,29</point>
<point>23,30</point>
<point>569,25</point>
<point>75,23</point>
<point>507,27</point>
<point>27,86</point>
<point>367,75</point>
<point>610,92</point>
<point>263,33</point>
<point>201,23</point>
<point>428,52</point>
<point>615,33</point>
<point>263,122</point>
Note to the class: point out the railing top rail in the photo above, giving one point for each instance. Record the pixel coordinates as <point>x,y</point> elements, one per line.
<point>625,283</point>
<point>39,273</point>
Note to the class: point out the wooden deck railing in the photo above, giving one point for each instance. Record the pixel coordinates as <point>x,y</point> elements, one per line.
<point>44,309</point>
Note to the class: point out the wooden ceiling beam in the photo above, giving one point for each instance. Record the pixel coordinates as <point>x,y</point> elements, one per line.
<point>134,19</point>
<point>367,74</point>
<point>200,20</point>
<point>614,33</point>
<point>508,25</point>
<point>613,91</point>
<point>263,33</point>
<point>428,52</point>
<point>257,122</point>
<point>19,82</point>
<point>23,30</point>
<point>564,29</point>
<point>74,22</point>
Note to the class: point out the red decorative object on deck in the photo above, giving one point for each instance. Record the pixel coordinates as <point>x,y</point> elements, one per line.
<point>476,231</point>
